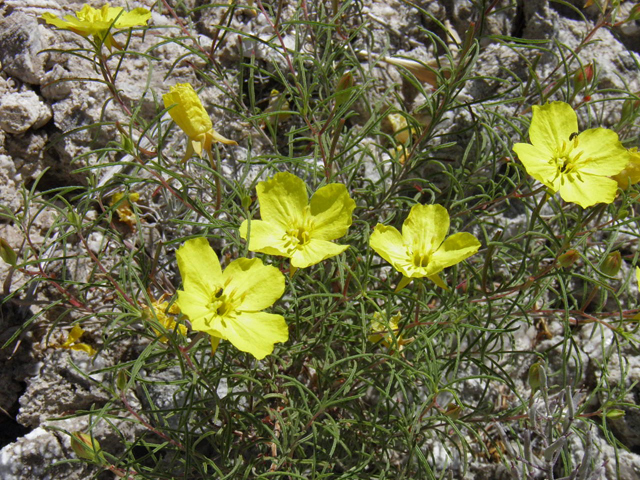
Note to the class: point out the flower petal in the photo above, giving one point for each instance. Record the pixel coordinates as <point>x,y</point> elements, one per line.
<point>200,270</point>
<point>332,210</point>
<point>255,332</point>
<point>187,110</point>
<point>588,190</point>
<point>425,228</point>
<point>251,283</point>
<point>193,304</point>
<point>315,251</point>
<point>134,18</point>
<point>453,250</point>
<point>283,199</point>
<point>601,152</point>
<point>265,237</point>
<point>389,244</point>
<point>552,124</point>
<point>539,164</point>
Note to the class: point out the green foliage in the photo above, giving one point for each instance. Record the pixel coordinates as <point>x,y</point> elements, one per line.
<point>472,385</point>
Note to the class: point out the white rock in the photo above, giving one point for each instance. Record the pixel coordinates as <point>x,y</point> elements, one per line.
<point>21,111</point>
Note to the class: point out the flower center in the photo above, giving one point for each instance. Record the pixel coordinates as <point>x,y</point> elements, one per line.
<point>420,258</point>
<point>566,160</point>
<point>299,234</point>
<point>298,237</point>
<point>220,303</point>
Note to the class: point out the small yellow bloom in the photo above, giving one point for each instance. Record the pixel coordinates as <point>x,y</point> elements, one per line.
<point>124,210</point>
<point>421,249</point>
<point>71,343</point>
<point>187,111</point>
<point>277,103</point>
<point>576,165</point>
<point>400,127</point>
<point>385,334</point>
<point>99,23</point>
<point>631,174</point>
<point>295,228</point>
<point>161,312</point>
<point>229,304</point>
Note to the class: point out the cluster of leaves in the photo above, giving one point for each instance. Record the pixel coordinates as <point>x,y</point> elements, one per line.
<point>374,381</point>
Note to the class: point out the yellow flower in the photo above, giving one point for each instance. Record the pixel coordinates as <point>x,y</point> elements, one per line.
<point>576,165</point>
<point>400,127</point>
<point>189,114</point>
<point>228,304</point>
<point>99,23</point>
<point>385,334</point>
<point>631,174</point>
<point>71,343</point>
<point>421,250</point>
<point>160,311</point>
<point>295,228</point>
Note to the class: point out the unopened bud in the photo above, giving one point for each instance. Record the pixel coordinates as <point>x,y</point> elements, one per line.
<point>453,411</point>
<point>630,108</point>
<point>85,446</point>
<point>634,14</point>
<point>342,89</point>
<point>568,258</point>
<point>614,413</point>
<point>537,377</point>
<point>611,265</point>
<point>122,379</point>
<point>583,77</point>
<point>6,253</point>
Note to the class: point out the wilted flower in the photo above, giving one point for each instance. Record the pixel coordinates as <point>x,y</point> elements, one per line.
<point>229,304</point>
<point>576,165</point>
<point>631,174</point>
<point>162,312</point>
<point>421,250</point>
<point>123,209</point>
<point>187,111</point>
<point>295,228</point>
<point>99,23</point>
<point>387,335</point>
<point>278,105</point>
<point>72,343</point>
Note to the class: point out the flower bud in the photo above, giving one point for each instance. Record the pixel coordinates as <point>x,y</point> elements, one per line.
<point>6,253</point>
<point>453,411</point>
<point>537,377</point>
<point>342,89</point>
<point>634,14</point>
<point>629,110</point>
<point>85,446</point>
<point>614,413</point>
<point>611,265</point>
<point>568,258</point>
<point>583,77</point>
<point>122,379</point>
